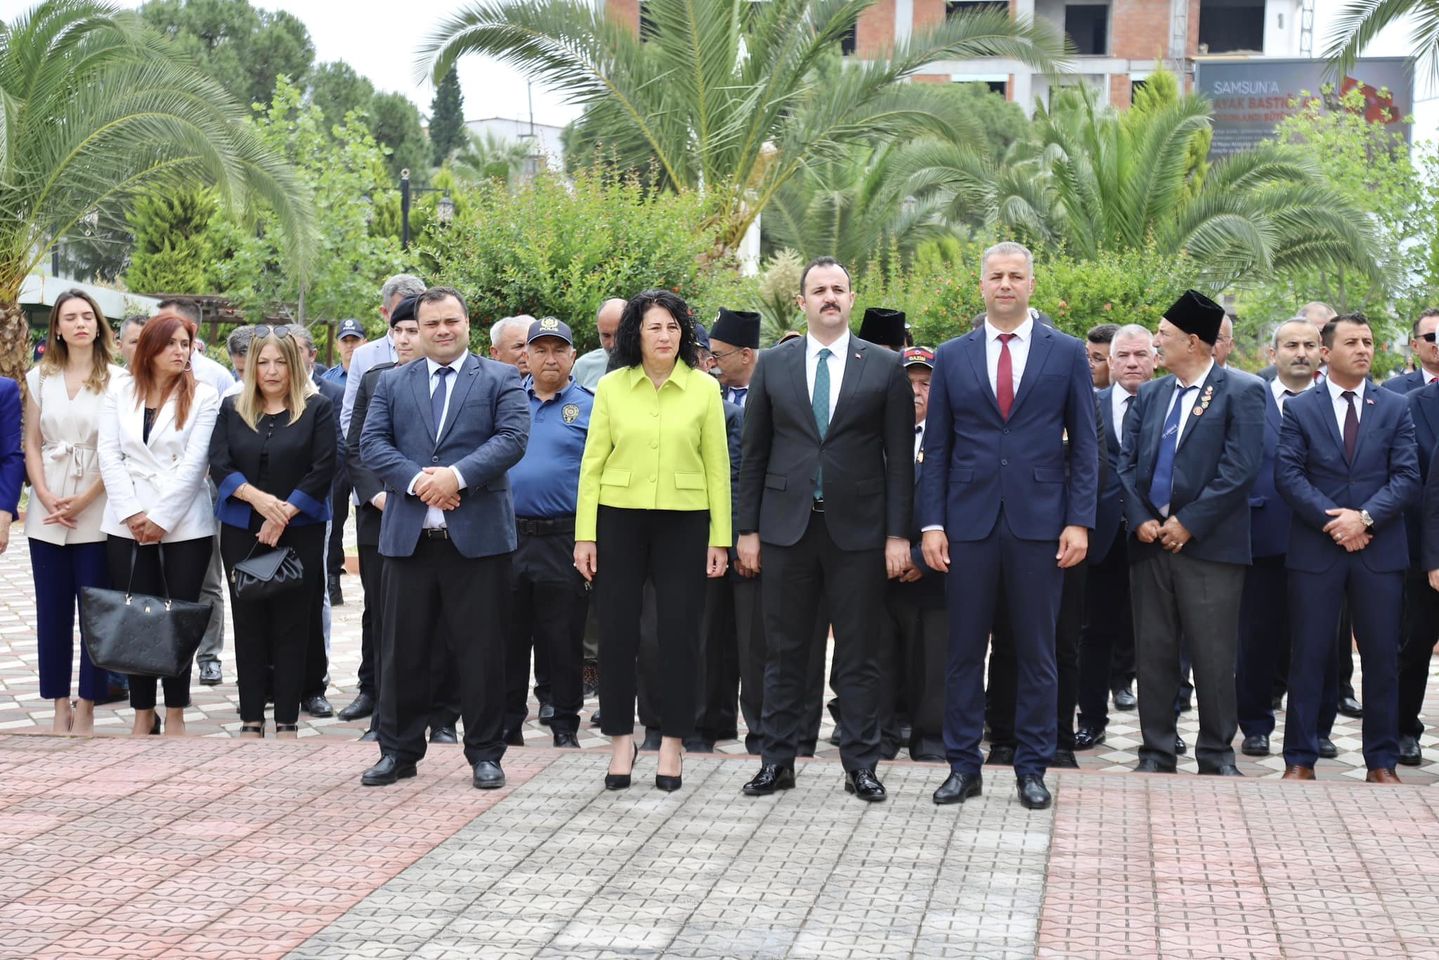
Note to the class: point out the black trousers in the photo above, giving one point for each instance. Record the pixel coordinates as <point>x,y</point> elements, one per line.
<point>668,548</point>
<point>1263,638</point>
<point>185,564</point>
<point>1000,695</point>
<point>1175,595</point>
<point>270,635</point>
<point>717,715</point>
<point>1421,632</point>
<point>1108,629</point>
<point>917,641</point>
<point>317,662</point>
<point>340,512</point>
<point>548,617</point>
<point>798,582</point>
<point>438,600</point>
<point>372,566</point>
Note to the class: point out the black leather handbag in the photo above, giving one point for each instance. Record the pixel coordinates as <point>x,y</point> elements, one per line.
<point>137,634</point>
<point>270,574</point>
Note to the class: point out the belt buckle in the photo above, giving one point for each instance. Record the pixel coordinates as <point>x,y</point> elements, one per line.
<point>437,533</point>
<point>817,505</point>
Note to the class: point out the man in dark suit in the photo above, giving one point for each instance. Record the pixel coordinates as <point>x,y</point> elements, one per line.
<point>1348,467</point>
<point>442,434</point>
<point>1317,314</point>
<point>1426,355</point>
<point>1191,453</point>
<point>1010,504</point>
<point>827,485</point>
<point>1264,611</point>
<point>1421,603</point>
<point>1108,631</point>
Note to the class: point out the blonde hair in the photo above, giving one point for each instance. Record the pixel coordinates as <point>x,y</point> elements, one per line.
<point>251,402</point>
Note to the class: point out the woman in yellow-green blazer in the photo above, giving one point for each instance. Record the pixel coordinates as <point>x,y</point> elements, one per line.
<point>654,504</point>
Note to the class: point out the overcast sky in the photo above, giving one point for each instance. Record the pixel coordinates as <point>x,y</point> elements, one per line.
<point>379,39</point>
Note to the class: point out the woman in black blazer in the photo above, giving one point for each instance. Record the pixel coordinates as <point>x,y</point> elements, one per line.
<point>272,456</point>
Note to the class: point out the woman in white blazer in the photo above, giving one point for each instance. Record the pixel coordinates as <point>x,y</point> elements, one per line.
<point>154,447</point>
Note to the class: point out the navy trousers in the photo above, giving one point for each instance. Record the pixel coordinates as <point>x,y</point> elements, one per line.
<point>1376,603</point>
<point>1032,585</point>
<point>1263,635</point>
<point>60,572</point>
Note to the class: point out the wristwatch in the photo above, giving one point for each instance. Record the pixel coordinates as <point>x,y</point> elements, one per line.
<point>1366,519</point>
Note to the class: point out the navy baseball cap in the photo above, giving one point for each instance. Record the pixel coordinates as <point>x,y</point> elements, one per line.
<point>350,328</point>
<point>550,327</point>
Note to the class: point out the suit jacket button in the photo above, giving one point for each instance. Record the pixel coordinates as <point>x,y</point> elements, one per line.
<point>1004,463</point>
<point>434,459</point>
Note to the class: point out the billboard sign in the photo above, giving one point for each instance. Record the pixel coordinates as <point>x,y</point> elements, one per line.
<point>1251,96</point>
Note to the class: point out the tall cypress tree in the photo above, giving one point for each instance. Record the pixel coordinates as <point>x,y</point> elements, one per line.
<point>447,117</point>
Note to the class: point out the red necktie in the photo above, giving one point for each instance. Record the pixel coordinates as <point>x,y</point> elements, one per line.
<point>1004,377</point>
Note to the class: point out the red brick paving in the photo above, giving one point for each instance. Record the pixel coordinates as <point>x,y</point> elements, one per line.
<point>113,847</point>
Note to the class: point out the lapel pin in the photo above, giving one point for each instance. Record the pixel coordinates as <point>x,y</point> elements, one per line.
<point>1369,403</point>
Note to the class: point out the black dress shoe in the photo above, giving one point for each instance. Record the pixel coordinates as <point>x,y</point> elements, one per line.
<point>1351,707</point>
<point>1409,752</point>
<point>1255,745</point>
<point>1032,792</point>
<point>515,738</point>
<point>699,745</point>
<point>1222,770</point>
<point>1151,765</point>
<point>771,777</point>
<point>652,739</point>
<point>386,772</point>
<point>547,713</point>
<point>317,706</point>
<point>568,740</point>
<point>488,776</point>
<point>1180,747</point>
<point>669,784</point>
<point>370,736</point>
<point>1327,749</point>
<point>1276,702</point>
<point>210,672</point>
<point>595,718</point>
<point>444,734</point>
<point>337,598</point>
<point>1064,759</point>
<point>1124,699</point>
<point>1087,738</point>
<point>959,787</point>
<point>864,784</point>
<point>621,781</point>
<point>362,706</point>
<point>1000,756</point>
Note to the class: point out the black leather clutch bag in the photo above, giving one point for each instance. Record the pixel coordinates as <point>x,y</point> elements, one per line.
<point>270,574</point>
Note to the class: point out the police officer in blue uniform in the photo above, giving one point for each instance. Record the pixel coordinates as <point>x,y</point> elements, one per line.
<point>550,598</point>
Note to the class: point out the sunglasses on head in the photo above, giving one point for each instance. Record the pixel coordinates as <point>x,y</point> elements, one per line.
<point>284,330</point>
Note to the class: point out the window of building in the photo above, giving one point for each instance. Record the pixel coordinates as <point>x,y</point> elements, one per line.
<point>1135,86</point>
<point>647,23</point>
<point>850,41</point>
<point>1228,26</point>
<point>1088,26</point>
<point>953,7</point>
<point>993,86</point>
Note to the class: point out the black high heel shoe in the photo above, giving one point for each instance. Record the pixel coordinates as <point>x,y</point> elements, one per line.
<point>621,781</point>
<point>670,784</point>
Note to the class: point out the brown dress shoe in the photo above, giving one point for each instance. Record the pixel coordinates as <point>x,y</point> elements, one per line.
<point>1382,775</point>
<point>1295,772</point>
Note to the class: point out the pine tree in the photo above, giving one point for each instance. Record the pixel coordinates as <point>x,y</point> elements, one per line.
<point>447,117</point>
<point>172,243</point>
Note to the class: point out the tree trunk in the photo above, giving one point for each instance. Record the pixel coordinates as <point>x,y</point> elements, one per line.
<point>14,341</point>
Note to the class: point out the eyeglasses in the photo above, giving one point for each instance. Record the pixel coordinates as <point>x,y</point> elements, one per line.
<point>284,330</point>
<point>728,353</point>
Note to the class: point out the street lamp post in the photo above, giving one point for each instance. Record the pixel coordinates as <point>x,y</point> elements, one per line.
<point>444,209</point>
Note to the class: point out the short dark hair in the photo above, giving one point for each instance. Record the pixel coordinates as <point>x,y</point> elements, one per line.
<point>185,307</point>
<point>1428,312</point>
<point>627,352</point>
<point>823,262</point>
<point>1326,336</point>
<point>1102,333</point>
<point>436,294</point>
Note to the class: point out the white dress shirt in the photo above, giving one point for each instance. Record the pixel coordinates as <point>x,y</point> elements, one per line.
<point>1018,352</point>
<point>1341,406</point>
<point>1191,398</point>
<point>208,371</point>
<point>434,516</point>
<point>918,439</point>
<point>1277,388</point>
<point>839,352</point>
<point>1117,408</point>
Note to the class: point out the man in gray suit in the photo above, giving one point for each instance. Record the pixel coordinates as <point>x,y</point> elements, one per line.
<point>442,434</point>
<point>827,485</point>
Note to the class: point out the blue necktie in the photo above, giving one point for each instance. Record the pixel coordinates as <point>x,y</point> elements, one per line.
<point>437,399</point>
<point>819,403</point>
<point>737,394</point>
<point>1159,490</point>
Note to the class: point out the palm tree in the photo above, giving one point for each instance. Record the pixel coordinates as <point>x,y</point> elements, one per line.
<point>485,157</point>
<point>1361,20</point>
<point>722,95</point>
<point>1094,182</point>
<point>95,108</point>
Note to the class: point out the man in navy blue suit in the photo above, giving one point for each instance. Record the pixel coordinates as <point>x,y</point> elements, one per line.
<point>1426,354</point>
<point>1010,505</point>
<point>1421,603</point>
<point>1192,449</point>
<point>1348,467</point>
<point>1264,611</point>
<point>442,434</point>
<point>1108,621</point>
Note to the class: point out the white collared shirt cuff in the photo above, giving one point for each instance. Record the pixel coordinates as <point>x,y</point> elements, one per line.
<point>414,480</point>
<point>928,529</point>
<point>459,477</point>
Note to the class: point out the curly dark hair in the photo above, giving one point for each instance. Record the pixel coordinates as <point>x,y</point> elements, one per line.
<point>627,351</point>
